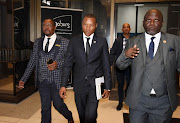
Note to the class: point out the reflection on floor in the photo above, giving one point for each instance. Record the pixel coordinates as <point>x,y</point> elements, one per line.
<point>29,111</point>
<point>6,85</point>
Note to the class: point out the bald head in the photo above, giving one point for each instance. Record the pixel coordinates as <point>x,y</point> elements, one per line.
<point>153,20</point>
<point>126,28</point>
<point>154,11</point>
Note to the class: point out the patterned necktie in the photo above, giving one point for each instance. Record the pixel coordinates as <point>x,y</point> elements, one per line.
<point>87,47</point>
<point>47,45</point>
<point>151,48</point>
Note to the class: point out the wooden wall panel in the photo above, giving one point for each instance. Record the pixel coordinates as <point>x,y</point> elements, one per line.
<point>143,1</point>
<point>124,1</point>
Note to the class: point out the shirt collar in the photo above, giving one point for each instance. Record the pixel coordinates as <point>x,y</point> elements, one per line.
<point>156,35</point>
<point>91,36</point>
<point>52,37</point>
<point>125,38</point>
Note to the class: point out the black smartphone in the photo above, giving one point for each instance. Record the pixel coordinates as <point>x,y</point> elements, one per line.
<point>50,61</point>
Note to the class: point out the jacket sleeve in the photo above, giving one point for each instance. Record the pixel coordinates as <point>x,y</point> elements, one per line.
<point>60,61</point>
<point>113,52</point>
<point>68,63</point>
<point>122,61</point>
<point>106,66</point>
<point>178,53</point>
<point>31,63</point>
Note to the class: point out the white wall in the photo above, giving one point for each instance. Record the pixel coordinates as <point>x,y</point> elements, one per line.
<point>127,14</point>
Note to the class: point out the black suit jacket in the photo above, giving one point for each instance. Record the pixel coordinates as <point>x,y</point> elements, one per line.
<point>116,51</point>
<point>96,65</point>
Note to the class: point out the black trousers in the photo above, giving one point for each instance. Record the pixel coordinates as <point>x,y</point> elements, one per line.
<point>87,105</point>
<point>122,76</point>
<point>48,93</point>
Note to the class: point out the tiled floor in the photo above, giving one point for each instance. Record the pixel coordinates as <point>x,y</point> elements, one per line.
<point>28,111</point>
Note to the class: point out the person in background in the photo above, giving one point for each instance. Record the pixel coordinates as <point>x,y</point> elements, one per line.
<point>88,58</point>
<point>47,59</point>
<point>122,75</point>
<point>154,57</point>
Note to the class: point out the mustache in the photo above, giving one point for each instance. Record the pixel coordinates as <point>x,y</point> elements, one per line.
<point>46,30</point>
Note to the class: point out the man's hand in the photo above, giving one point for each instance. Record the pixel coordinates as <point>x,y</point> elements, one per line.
<point>132,52</point>
<point>106,94</point>
<point>62,92</point>
<point>21,84</point>
<point>52,66</point>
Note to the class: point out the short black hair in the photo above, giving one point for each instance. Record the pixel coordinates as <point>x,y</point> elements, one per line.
<point>51,20</point>
<point>90,16</point>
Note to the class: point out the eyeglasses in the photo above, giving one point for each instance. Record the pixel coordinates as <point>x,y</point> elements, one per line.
<point>49,25</point>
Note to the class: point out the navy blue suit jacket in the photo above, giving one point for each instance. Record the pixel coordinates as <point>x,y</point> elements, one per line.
<point>96,65</point>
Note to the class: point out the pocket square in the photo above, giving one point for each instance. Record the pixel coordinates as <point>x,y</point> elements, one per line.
<point>94,41</point>
<point>171,49</point>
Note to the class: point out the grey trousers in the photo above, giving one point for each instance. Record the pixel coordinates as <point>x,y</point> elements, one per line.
<point>151,110</point>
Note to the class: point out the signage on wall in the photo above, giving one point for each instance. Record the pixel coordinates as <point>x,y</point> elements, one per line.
<point>63,22</point>
<point>67,21</point>
<point>19,28</point>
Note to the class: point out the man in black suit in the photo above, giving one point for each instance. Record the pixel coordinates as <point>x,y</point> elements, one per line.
<point>48,72</point>
<point>88,57</point>
<point>122,75</point>
<point>154,57</point>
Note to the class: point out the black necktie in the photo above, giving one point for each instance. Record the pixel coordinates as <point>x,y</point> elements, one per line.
<point>47,45</point>
<point>87,47</point>
<point>151,48</point>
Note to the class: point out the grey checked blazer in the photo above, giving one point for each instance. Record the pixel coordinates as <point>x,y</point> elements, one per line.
<point>60,42</point>
<point>171,56</point>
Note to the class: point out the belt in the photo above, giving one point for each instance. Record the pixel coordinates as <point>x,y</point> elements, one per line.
<point>153,95</point>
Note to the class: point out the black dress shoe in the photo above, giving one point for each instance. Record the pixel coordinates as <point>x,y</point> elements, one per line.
<point>71,121</point>
<point>118,108</point>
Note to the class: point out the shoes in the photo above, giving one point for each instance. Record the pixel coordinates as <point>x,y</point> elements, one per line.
<point>71,121</point>
<point>118,108</point>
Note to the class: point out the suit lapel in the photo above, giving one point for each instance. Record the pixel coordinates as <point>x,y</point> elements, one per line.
<point>40,44</point>
<point>57,43</point>
<point>164,42</point>
<point>93,47</point>
<point>165,46</point>
<point>121,43</point>
<point>81,47</point>
<point>58,40</point>
<point>143,47</point>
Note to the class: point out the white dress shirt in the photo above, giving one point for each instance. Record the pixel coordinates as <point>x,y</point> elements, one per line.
<point>51,41</point>
<point>156,41</point>
<point>85,40</point>
<point>156,44</point>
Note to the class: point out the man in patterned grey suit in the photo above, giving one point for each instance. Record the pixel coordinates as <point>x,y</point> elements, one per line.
<point>47,58</point>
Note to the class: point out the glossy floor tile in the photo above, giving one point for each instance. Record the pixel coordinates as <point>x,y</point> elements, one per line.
<point>29,111</point>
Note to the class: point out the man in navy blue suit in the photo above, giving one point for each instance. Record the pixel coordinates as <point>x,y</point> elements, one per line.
<point>88,58</point>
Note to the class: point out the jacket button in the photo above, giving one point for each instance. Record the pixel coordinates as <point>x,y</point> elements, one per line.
<point>86,78</point>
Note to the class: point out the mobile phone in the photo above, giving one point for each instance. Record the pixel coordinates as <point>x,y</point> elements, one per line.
<point>50,61</point>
